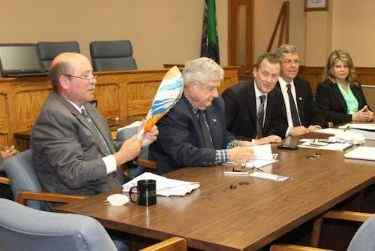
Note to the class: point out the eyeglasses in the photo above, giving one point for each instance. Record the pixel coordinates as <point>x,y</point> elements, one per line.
<point>84,77</point>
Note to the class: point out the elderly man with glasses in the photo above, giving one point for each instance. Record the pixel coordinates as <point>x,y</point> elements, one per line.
<point>193,132</point>
<point>73,151</point>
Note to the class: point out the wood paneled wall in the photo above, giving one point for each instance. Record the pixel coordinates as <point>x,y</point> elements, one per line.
<point>124,95</point>
<point>365,75</point>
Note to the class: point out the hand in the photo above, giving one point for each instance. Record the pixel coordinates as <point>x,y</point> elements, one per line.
<point>8,151</point>
<point>299,130</point>
<point>129,150</point>
<point>268,140</point>
<point>362,116</point>
<point>150,136</point>
<point>240,154</point>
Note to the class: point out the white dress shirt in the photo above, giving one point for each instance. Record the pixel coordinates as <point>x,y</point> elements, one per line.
<point>258,93</point>
<point>284,90</point>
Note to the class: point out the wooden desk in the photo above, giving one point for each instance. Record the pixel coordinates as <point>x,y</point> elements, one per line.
<point>247,217</point>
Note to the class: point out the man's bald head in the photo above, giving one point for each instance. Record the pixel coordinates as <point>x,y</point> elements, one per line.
<point>64,64</point>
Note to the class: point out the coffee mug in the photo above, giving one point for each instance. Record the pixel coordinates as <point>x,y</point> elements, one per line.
<point>145,191</point>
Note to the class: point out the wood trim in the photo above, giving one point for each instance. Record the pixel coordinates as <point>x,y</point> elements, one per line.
<point>24,196</point>
<point>171,244</point>
<point>286,247</point>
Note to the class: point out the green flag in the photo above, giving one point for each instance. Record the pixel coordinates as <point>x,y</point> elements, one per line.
<point>210,40</point>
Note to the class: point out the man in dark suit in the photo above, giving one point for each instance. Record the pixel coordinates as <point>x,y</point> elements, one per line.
<point>193,132</point>
<point>300,110</point>
<point>252,107</point>
<point>73,152</point>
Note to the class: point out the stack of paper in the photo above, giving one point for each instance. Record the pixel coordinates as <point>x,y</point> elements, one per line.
<point>164,186</point>
<point>362,152</point>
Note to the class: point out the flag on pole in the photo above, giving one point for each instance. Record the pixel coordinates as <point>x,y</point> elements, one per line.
<point>210,39</point>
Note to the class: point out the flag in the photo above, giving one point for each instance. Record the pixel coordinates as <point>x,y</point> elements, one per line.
<point>210,40</point>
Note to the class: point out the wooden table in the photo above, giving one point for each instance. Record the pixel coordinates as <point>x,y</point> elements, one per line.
<point>240,213</point>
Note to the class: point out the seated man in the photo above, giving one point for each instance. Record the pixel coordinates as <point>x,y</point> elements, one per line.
<point>252,108</point>
<point>299,108</point>
<point>73,152</point>
<point>193,132</point>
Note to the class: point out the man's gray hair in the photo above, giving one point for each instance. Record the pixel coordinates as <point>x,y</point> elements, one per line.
<point>285,49</point>
<point>201,71</point>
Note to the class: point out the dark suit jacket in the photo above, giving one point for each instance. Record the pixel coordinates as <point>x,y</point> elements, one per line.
<point>66,153</point>
<point>331,101</point>
<point>308,110</point>
<point>180,141</point>
<point>241,111</point>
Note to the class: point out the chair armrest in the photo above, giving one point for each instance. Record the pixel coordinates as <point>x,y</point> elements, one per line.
<point>147,164</point>
<point>24,196</point>
<point>347,215</point>
<point>171,244</point>
<point>287,247</point>
<point>4,180</point>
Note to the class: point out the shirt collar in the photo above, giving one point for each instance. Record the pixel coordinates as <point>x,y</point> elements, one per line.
<point>258,93</point>
<point>283,83</point>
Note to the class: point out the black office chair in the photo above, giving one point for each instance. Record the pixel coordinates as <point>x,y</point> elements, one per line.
<point>47,51</point>
<point>112,55</point>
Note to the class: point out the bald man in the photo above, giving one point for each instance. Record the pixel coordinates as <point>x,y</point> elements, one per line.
<point>73,152</point>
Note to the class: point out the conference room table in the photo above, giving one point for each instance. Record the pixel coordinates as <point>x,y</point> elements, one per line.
<point>240,212</point>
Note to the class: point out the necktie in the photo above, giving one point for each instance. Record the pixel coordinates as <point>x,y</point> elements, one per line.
<point>205,129</point>
<point>293,108</point>
<point>98,133</point>
<point>260,116</point>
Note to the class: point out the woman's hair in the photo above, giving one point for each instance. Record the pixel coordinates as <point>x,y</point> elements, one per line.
<point>340,56</point>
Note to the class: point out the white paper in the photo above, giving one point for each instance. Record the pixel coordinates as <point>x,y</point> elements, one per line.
<point>362,152</point>
<point>262,152</point>
<point>164,186</point>
<point>369,127</point>
<point>269,176</point>
<point>316,144</point>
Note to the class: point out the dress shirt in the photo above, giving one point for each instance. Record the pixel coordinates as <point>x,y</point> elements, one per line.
<point>284,90</point>
<point>109,160</point>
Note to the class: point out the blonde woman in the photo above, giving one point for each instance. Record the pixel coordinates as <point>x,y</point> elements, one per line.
<point>339,96</point>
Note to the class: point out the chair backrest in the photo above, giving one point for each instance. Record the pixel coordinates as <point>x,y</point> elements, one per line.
<point>363,239</point>
<point>112,55</point>
<point>47,51</point>
<point>19,168</point>
<point>24,228</point>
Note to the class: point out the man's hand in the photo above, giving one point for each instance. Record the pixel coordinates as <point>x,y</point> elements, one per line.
<point>299,130</point>
<point>240,154</point>
<point>150,136</point>
<point>268,140</point>
<point>129,150</point>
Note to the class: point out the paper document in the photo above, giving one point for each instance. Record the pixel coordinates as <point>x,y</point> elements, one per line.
<point>164,186</point>
<point>367,127</point>
<point>269,176</point>
<point>324,145</point>
<point>361,152</point>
